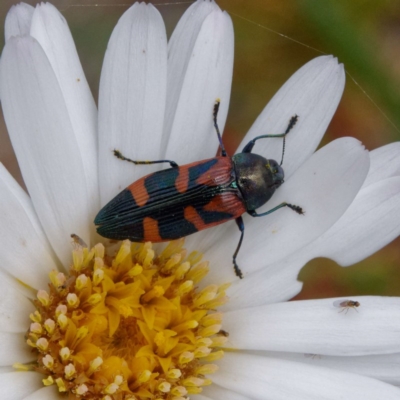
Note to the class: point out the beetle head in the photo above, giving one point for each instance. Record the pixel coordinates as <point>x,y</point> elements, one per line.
<point>257,178</point>
<point>277,172</point>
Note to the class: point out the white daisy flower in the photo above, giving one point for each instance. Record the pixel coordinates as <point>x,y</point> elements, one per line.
<point>136,322</point>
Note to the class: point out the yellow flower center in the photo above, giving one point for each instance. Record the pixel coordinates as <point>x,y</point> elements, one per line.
<point>128,326</point>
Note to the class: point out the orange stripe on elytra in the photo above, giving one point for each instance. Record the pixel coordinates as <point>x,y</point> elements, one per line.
<point>139,192</point>
<point>182,181</point>
<point>193,216</point>
<point>220,173</point>
<point>150,229</point>
<point>226,203</point>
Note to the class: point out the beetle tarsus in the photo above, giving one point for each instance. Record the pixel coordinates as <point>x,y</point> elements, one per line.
<point>237,270</point>
<point>297,209</point>
<point>118,154</point>
<point>216,108</point>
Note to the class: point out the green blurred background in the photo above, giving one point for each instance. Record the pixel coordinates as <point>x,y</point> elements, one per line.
<point>272,40</point>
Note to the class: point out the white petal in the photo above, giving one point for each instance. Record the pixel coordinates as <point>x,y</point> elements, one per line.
<point>13,348</point>
<point>180,47</point>
<point>313,93</point>
<point>200,397</point>
<point>385,163</point>
<point>386,367</point>
<point>18,20</point>
<point>46,393</point>
<point>14,307</point>
<point>25,252</point>
<point>370,223</point>
<point>17,385</point>
<point>6,369</point>
<point>322,186</point>
<point>218,245</point>
<point>51,30</point>
<point>207,58</point>
<point>19,286</point>
<point>318,327</point>
<point>205,239</point>
<point>263,378</point>
<point>132,98</point>
<point>272,284</point>
<point>220,393</point>
<point>43,139</point>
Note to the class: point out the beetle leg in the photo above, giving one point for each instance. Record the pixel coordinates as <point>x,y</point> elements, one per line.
<point>215,114</point>
<point>240,224</point>
<point>249,146</point>
<point>297,209</point>
<point>119,155</point>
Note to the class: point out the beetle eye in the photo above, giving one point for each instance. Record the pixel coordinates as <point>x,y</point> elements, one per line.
<point>271,166</point>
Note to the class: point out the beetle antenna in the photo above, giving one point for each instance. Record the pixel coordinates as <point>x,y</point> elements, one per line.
<point>283,149</point>
<point>292,123</point>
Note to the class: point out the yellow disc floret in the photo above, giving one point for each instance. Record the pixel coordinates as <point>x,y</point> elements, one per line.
<point>128,326</point>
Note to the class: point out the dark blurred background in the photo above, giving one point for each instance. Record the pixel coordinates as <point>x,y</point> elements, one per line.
<point>272,40</point>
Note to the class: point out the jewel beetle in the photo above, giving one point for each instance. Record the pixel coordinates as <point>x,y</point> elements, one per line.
<point>181,200</point>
